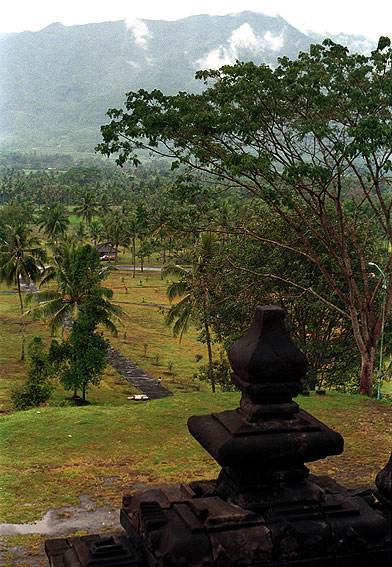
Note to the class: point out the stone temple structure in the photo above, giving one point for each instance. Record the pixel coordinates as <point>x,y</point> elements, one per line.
<point>264,509</point>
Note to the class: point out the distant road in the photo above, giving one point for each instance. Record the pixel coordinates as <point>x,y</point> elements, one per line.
<point>145,269</point>
<point>138,269</point>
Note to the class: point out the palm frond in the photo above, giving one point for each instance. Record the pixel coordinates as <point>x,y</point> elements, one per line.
<point>177,289</point>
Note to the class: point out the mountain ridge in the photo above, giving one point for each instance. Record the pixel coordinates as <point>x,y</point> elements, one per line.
<point>57,84</point>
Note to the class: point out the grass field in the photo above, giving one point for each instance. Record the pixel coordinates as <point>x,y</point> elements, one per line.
<point>143,337</point>
<point>52,455</point>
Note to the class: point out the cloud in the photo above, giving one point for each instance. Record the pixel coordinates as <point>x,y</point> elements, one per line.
<point>274,42</point>
<point>240,39</point>
<point>139,29</point>
<point>243,37</point>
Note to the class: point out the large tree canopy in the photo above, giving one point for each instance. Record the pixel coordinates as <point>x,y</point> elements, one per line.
<point>312,138</point>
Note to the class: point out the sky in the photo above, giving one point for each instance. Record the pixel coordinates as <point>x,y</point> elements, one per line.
<point>334,16</point>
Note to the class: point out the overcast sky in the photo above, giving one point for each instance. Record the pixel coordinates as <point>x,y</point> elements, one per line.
<point>348,16</point>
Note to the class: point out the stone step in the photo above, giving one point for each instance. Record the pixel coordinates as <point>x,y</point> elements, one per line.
<point>142,381</point>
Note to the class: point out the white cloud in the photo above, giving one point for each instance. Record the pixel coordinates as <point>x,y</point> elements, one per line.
<point>216,58</point>
<point>274,42</point>
<point>371,19</point>
<point>241,38</point>
<point>139,30</point>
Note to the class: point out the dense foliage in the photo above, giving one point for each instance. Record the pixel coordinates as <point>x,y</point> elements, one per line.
<point>312,139</point>
<point>81,359</point>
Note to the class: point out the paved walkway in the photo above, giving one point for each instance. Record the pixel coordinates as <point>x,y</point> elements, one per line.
<point>136,376</point>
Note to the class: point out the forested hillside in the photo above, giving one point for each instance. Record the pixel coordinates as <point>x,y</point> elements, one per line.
<point>57,84</point>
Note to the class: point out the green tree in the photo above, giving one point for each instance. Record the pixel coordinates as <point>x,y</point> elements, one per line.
<point>193,287</point>
<point>131,229</point>
<point>87,207</point>
<point>114,229</point>
<point>39,384</point>
<point>135,228</point>
<point>54,221</point>
<point>303,137</point>
<point>250,269</point>
<point>81,359</point>
<point>103,205</point>
<point>21,258</point>
<point>95,231</point>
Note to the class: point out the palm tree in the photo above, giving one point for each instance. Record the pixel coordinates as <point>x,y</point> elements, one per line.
<point>132,230</point>
<point>115,229</point>
<point>80,233</point>
<point>95,230</point>
<point>192,285</point>
<point>104,205</point>
<point>87,207</point>
<point>54,221</point>
<point>21,257</point>
<point>78,273</point>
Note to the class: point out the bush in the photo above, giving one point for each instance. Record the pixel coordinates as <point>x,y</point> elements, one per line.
<point>30,394</point>
<point>219,371</point>
<point>39,386</point>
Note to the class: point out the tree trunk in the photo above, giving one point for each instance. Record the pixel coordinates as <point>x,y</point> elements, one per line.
<point>134,256</point>
<point>209,350</point>
<point>23,320</point>
<point>367,372</point>
<point>169,248</point>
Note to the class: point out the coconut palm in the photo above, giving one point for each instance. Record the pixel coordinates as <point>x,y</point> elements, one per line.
<point>87,207</point>
<point>104,205</point>
<point>114,229</point>
<point>95,230</point>
<point>54,221</point>
<point>80,233</point>
<point>132,231</point>
<point>78,273</point>
<point>21,258</point>
<point>192,285</point>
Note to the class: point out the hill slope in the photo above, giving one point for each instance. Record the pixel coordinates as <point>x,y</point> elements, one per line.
<point>57,84</point>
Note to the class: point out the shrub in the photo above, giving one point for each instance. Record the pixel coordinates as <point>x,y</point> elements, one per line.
<point>39,385</point>
<point>219,371</point>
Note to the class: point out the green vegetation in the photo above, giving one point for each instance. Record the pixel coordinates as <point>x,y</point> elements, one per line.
<point>92,65</point>
<point>150,443</point>
<point>311,139</point>
<point>21,257</point>
<point>80,360</point>
<point>39,384</point>
<point>192,290</point>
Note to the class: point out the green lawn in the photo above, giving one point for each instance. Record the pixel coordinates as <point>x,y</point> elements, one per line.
<point>143,337</point>
<point>50,455</point>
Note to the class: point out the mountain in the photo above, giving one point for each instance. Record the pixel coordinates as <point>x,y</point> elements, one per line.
<point>57,84</point>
